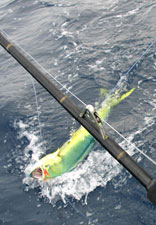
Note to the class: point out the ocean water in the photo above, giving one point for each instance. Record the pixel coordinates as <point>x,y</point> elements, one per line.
<point>85,45</point>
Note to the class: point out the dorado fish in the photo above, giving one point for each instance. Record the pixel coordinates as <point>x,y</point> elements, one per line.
<point>76,148</point>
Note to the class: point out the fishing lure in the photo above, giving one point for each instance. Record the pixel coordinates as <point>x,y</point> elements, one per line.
<point>76,148</point>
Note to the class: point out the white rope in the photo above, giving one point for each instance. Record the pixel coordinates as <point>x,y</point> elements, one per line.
<point>129,142</point>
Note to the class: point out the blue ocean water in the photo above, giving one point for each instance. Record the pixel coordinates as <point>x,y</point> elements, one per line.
<point>86,45</point>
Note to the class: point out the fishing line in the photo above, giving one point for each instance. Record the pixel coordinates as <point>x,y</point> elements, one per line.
<point>77,210</point>
<point>38,112</point>
<point>133,66</point>
<point>90,221</point>
<point>139,59</point>
<point>129,142</point>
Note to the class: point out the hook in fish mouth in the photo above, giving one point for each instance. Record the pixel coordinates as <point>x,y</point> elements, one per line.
<point>37,173</point>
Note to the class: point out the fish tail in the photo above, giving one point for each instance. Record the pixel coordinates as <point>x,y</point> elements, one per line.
<point>111,101</point>
<point>125,95</point>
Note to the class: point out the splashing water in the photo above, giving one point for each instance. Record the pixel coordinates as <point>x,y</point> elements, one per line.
<point>82,180</point>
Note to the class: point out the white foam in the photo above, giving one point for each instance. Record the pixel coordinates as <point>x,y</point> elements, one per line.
<point>35,147</point>
<point>82,180</point>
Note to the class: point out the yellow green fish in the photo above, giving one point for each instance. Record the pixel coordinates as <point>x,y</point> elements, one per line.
<point>76,149</point>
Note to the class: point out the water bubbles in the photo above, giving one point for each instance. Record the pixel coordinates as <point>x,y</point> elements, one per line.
<point>118,207</point>
<point>10,11</point>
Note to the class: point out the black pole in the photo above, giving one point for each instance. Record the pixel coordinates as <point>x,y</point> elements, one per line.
<point>110,145</point>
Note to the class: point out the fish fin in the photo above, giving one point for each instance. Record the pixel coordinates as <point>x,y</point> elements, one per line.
<point>125,95</point>
<point>103,92</point>
<point>115,99</point>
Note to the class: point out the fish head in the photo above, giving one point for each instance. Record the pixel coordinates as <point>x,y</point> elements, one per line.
<point>46,168</point>
<point>41,172</point>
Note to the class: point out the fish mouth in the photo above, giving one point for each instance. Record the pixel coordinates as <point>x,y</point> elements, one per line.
<point>37,173</point>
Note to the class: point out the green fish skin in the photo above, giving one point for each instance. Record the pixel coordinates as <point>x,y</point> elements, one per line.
<point>76,149</point>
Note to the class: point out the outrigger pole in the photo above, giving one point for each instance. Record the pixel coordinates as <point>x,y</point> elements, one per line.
<point>109,144</point>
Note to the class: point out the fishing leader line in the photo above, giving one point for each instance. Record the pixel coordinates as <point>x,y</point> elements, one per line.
<point>129,142</point>
<point>139,59</point>
<point>90,220</point>
<point>38,113</point>
<point>134,65</point>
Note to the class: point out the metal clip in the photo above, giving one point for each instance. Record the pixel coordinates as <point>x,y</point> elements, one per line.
<point>91,112</point>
